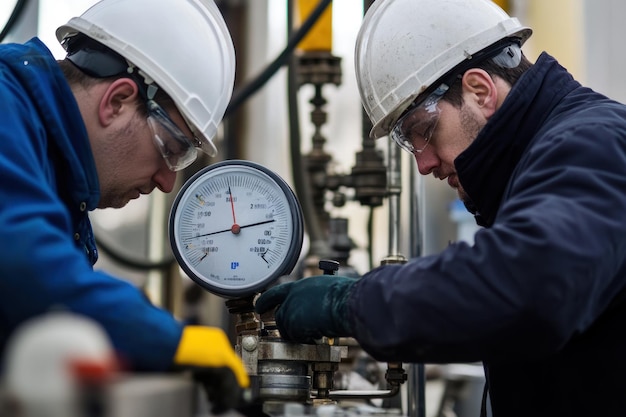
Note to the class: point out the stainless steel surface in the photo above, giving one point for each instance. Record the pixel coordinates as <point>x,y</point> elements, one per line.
<point>151,396</point>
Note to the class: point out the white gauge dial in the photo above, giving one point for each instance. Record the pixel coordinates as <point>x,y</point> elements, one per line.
<point>236,227</point>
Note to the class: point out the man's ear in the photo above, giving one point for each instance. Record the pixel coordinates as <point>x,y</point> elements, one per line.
<point>479,87</point>
<point>119,97</point>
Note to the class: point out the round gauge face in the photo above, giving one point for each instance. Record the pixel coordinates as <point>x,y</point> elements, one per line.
<point>235,228</point>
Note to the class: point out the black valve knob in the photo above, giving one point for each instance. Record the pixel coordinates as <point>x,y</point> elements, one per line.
<point>329,266</point>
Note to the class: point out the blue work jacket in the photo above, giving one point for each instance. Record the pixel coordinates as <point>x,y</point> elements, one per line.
<point>538,297</point>
<point>49,184</point>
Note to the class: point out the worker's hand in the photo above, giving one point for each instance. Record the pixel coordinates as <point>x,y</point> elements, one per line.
<point>207,352</point>
<point>310,308</point>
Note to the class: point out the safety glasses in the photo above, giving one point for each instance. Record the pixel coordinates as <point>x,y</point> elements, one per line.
<point>178,150</point>
<point>414,129</point>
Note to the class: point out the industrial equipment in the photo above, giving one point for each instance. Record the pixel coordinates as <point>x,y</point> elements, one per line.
<point>236,228</point>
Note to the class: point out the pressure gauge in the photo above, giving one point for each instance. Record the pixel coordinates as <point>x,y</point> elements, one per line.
<point>236,227</point>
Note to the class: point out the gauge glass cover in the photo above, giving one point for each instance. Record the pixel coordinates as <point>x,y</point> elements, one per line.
<point>235,228</point>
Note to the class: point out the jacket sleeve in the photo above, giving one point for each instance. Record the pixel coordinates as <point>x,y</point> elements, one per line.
<point>41,268</point>
<point>541,275</point>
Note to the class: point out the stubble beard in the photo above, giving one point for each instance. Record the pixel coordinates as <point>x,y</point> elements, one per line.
<point>471,127</point>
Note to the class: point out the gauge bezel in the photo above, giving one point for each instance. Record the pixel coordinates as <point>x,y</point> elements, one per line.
<point>288,263</point>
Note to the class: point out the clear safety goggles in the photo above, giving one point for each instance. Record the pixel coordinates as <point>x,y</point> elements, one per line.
<point>178,150</point>
<point>414,129</point>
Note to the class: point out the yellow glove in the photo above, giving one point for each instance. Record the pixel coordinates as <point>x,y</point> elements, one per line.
<point>207,352</point>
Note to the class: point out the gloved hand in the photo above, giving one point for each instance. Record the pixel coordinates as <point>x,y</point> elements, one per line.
<point>207,352</point>
<point>310,308</point>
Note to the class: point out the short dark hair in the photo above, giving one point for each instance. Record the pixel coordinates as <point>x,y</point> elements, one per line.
<point>75,76</point>
<point>510,75</point>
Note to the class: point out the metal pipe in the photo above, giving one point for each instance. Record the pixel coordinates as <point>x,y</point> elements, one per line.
<point>394,190</point>
<point>159,282</point>
<point>363,394</point>
<point>416,382</point>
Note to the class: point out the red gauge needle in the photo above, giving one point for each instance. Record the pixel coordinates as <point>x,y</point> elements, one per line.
<point>235,227</point>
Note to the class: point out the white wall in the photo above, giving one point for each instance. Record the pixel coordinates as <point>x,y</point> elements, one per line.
<point>603,49</point>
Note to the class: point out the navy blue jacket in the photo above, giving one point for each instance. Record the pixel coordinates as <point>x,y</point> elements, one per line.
<point>537,297</point>
<point>49,184</point>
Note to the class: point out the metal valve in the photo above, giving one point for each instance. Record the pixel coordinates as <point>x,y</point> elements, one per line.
<point>329,266</point>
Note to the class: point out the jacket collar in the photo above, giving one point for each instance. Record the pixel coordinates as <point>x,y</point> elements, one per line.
<point>50,93</point>
<point>486,166</point>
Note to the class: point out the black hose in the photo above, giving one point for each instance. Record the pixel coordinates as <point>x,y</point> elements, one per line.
<point>252,87</point>
<point>137,264</point>
<point>15,15</point>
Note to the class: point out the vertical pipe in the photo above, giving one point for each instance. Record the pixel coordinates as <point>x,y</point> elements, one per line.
<point>156,286</point>
<point>416,383</point>
<point>394,189</point>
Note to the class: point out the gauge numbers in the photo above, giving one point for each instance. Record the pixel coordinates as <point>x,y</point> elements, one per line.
<point>236,227</point>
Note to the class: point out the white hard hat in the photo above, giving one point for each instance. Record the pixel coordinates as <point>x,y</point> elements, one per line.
<point>405,46</point>
<point>184,46</point>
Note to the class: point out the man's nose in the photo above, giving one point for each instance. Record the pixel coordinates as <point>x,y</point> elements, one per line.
<point>426,162</point>
<point>165,179</point>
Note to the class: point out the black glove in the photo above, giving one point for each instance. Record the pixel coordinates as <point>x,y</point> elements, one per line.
<point>310,308</point>
<point>221,388</point>
<point>207,352</point>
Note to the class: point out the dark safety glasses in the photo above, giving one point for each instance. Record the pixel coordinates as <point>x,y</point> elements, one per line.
<point>414,129</point>
<point>178,150</point>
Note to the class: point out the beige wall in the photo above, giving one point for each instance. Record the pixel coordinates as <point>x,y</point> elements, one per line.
<point>558,28</point>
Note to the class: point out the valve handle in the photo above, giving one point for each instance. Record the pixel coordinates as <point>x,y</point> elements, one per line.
<point>329,266</point>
